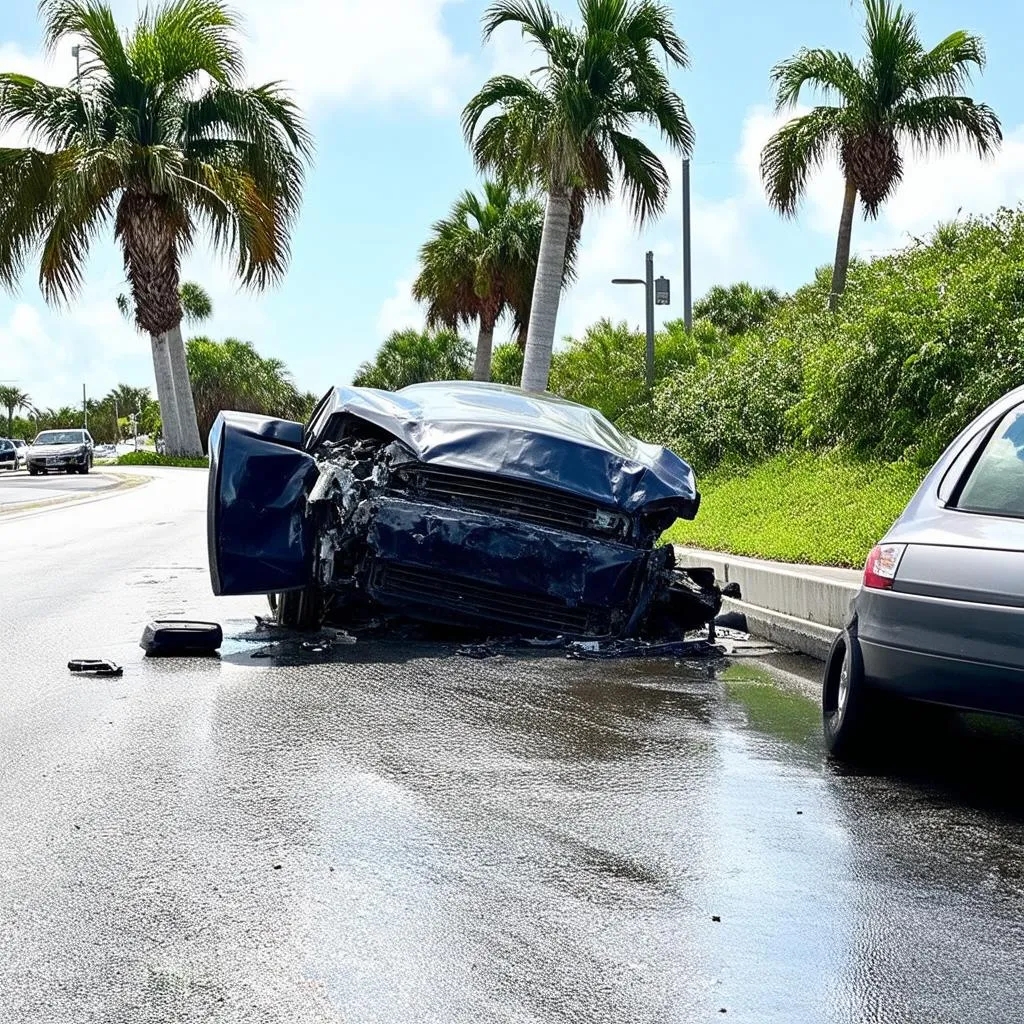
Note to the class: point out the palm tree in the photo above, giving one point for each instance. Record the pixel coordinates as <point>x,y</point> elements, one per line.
<point>411,357</point>
<point>12,398</point>
<point>899,93</point>
<point>196,304</point>
<point>480,263</point>
<point>567,127</point>
<point>159,136</point>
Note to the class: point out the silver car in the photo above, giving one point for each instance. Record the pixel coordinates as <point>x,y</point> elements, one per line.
<point>940,615</point>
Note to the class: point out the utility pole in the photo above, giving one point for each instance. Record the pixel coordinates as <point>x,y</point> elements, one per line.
<point>85,411</point>
<point>76,52</point>
<point>687,279</point>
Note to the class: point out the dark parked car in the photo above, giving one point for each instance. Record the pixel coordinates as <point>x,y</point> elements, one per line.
<point>940,616</point>
<point>8,455</point>
<point>68,450</point>
<point>460,503</point>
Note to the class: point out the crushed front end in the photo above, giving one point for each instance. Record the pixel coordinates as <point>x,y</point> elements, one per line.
<point>473,506</point>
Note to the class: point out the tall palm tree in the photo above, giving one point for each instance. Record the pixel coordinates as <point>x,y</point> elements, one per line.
<point>567,127</point>
<point>899,93</point>
<point>480,263</point>
<point>159,137</point>
<point>12,398</point>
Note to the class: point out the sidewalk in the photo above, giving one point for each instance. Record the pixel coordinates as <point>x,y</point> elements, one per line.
<point>798,606</point>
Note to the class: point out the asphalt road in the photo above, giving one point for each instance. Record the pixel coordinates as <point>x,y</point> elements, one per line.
<point>391,833</point>
<point>20,488</point>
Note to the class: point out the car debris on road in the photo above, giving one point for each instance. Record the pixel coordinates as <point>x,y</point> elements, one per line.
<point>470,505</point>
<point>94,667</point>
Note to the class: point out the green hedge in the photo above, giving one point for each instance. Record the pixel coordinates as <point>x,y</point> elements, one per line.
<point>152,459</point>
<point>822,509</point>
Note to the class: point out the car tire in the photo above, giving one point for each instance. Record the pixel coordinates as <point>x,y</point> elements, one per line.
<point>32,471</point>
<point>85,469</point>
<point>297,609</point>
<point>849,709</point>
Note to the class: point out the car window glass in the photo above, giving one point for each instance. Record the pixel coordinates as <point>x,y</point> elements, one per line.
<point>996,485</point>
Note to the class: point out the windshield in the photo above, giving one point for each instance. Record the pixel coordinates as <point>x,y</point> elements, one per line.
<point>60,437</point>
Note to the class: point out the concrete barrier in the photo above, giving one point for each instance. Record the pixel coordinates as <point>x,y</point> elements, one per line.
<point>797,606</point>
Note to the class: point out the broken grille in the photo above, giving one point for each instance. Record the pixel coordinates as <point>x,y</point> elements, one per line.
<point>525,502</point>
<point>470,598</point>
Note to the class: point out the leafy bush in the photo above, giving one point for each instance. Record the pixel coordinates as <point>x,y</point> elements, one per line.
<point>507,364</point>
<point>924,341</point>
<point>153,459</point>
<point>607,368</point>
<point>738,308</point>
<point>801,507</point>
<point>731,408</point>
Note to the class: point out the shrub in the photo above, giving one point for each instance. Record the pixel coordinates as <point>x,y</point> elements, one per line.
<point>153,459</point>
<point>507,364</point>
<point>730,409</point>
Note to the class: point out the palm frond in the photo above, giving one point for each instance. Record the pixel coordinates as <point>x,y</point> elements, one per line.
<point>947,67</point>
<point>53,116</point>
<point>799,147</point>
<point>536,19</point>
<point>941,123</point>
<point>833,75</point>
<point>646,22</point>
<point>93,21</point>
<point>644,178</point>
<point>27,200</point>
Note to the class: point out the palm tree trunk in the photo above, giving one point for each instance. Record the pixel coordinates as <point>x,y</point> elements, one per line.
<point>165,391</point>
<point>547,290</point>
<point>484,346</point>
<point>190,444</point>
<point>843,246</point>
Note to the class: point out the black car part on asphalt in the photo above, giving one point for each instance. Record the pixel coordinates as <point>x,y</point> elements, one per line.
<point>172,637</point>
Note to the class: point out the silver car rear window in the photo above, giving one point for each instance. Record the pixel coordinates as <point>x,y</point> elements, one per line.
<point>996,484</point>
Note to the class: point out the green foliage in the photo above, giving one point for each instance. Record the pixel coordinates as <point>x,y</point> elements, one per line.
<point>507,364</point>
<point>481,260</point>
<point>159,130</point>
<point>926,339</point>
<point>567,124</point>
<point>411,357</point>
<point>730,406</point>
<point>738,308</point>
<point>607,367</point>
<point>801,507</point>
<point>153,459</point>
<point>231,374</point>
<point>899,92</point>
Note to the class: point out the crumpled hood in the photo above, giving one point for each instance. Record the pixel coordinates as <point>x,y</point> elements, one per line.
<point>539,438</point>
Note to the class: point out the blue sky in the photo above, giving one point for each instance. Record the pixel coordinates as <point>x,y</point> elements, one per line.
<point>383,84</point>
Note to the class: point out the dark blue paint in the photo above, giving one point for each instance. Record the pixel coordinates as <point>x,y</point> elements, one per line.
<point>259,536</point>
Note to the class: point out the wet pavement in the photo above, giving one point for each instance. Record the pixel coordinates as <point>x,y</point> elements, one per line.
<point>391,832</point>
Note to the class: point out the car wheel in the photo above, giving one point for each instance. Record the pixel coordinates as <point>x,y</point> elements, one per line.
<point>86,467</point>
<point>297,609</point>
<point>849,709</point>
<point>32,471</point>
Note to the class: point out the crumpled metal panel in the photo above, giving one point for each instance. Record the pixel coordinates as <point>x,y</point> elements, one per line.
<point>509,432</point>
<point>259,537</point>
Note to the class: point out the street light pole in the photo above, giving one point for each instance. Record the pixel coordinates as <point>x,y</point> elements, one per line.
<point>76,52</point>
<point>687,279</point>
<point>654,291</point>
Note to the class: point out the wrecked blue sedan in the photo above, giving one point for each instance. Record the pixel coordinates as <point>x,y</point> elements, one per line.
<point>467,504</point>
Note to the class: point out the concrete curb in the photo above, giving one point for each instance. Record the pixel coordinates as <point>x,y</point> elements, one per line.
<point>797,606</point>
<point>121,482</point>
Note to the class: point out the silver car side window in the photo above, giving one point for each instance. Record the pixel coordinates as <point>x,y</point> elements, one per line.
<point>996,484</point>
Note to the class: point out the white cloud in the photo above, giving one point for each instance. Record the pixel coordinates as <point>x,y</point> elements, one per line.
<point>355,51</point>
<point>400,310</point>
